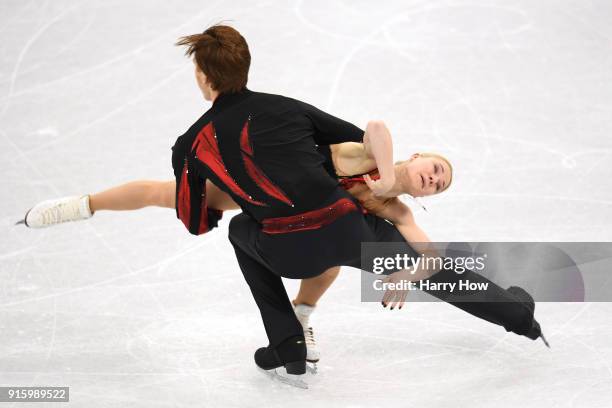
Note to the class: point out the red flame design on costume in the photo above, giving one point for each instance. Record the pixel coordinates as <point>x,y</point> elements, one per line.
<point>207,151</point>
<point>254,172</point>
<point>184,199</point>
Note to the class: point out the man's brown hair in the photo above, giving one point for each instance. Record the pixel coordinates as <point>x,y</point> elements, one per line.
<point>223,55</point>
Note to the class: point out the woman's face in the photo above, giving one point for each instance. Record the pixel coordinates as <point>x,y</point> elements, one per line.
<point>422,176</point>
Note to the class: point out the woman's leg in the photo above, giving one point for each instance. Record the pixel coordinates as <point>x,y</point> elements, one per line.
<point>129,196</point>
<point>135,195</point>
<point>312,289</point>
<point>310,292</point>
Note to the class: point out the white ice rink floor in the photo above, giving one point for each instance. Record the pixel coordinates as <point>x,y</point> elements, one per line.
<point>129,310</point>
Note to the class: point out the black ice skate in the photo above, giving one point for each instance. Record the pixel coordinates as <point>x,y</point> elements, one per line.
<point>290,354</point>
<point>536,331</point>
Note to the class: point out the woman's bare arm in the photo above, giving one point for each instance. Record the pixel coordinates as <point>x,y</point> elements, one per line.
<point>401,216</point>
<point>379,145</point>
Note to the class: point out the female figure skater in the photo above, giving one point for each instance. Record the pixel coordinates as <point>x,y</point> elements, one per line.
<point>349,162</point>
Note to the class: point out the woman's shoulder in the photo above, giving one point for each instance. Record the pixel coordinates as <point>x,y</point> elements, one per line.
<point>350,159</point>
<point>348,150</point>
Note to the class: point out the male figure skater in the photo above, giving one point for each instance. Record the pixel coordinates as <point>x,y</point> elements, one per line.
<point>261,149</point>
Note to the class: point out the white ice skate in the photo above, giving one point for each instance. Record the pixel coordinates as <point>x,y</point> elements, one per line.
<point>57,211</point>
<point>303,313</point>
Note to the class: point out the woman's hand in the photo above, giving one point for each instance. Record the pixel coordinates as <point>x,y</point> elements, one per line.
<point>397,297</point>
<point>381,186</point>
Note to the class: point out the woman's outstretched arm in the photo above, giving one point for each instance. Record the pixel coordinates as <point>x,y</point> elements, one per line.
<point>401,216</point>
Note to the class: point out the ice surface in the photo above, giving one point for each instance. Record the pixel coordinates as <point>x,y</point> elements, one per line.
<point>131,311</point>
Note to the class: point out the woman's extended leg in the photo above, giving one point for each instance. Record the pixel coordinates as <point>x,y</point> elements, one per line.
<point>129,196</point>
<point>135,195</point>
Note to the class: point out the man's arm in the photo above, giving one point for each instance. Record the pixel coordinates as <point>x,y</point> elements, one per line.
<point>328,128</point>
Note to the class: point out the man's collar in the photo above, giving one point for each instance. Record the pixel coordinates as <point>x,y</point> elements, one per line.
<point>229,98</point>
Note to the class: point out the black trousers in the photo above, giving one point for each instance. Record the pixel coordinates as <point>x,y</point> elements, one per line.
<point>265,258</point>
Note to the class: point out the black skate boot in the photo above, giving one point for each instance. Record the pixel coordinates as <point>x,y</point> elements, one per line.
<point>536,331</point>
<point>290,354</point>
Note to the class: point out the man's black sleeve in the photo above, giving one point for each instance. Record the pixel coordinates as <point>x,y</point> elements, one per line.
<point>330,129</point>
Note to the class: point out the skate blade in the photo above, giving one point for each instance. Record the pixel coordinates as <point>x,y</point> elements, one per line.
<point>311,368</point>
<point>279,374</point>
<point>23,221</point>
<point>544,340</point>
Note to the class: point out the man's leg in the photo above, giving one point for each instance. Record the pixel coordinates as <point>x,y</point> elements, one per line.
<point>267,287</point>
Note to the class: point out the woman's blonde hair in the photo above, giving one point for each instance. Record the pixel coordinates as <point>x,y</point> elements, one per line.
<point>437,156</point>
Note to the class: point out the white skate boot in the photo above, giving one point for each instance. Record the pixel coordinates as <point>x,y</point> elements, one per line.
<point>57,211</point>
<point>303,313</point>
